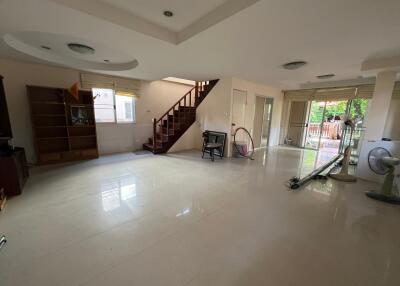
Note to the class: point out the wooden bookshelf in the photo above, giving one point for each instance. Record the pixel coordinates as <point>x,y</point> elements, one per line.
<point>64,127</point>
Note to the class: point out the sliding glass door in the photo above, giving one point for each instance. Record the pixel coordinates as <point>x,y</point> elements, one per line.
<point>357,111</point>
<point>325,125</point>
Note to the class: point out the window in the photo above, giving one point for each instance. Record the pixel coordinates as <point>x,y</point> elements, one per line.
<point>112,108</point>
<point>124,107</point>
<point>104,105</point>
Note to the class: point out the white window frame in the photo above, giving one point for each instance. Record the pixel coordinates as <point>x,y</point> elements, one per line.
<point>115,110</point>
<point>133,110</point>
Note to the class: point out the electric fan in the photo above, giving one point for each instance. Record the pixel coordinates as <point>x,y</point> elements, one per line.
<point>381,162</point>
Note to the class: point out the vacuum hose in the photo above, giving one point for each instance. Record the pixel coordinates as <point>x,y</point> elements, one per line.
<point>239,150</point>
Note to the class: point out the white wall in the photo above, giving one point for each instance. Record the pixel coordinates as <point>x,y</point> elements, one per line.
<point>189,140</point>
<point>392,126</point>
<point>212,114</point>
<point>215,112</point>
<point>254,89</point>
<point>380,104</point>
<point>156,97</point>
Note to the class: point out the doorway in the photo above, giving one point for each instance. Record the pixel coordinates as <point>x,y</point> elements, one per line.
<point>239,111</point>
<point>325,126</point>
<point>297,123</point>
<point>262,121</point>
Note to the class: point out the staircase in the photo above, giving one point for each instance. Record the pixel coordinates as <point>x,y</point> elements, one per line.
<point>174,123</point>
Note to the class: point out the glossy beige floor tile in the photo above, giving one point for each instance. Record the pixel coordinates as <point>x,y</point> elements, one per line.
<point>179,220</point>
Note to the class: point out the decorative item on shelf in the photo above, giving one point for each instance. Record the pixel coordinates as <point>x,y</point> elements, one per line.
<point>74,91</point>
<point>80,116</point>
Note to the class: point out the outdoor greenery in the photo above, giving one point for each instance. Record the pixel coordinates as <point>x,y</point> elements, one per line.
<point>357,110</point>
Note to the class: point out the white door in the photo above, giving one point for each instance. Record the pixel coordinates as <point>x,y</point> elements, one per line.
<point>239,111</point>
<point>297,123</point>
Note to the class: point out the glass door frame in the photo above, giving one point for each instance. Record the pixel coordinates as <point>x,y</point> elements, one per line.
<point>321,124</point>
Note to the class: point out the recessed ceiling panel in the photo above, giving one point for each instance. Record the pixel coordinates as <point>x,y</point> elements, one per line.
<point>185,12</point>
<point>56,48</point>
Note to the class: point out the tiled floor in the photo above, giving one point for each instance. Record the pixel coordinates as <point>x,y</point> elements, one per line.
<point>180,220</point>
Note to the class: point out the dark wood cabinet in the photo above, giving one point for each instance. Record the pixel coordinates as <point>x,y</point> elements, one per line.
<point>5,127</point>
<point>13,171</point>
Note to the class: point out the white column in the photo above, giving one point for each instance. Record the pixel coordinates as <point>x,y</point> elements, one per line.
<point>379,108</point>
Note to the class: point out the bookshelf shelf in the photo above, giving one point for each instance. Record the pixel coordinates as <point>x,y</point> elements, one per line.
<point>64,127</point>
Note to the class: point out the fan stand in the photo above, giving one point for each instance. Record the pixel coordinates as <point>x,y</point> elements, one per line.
<point>343,175</point>
<point>388,193</point>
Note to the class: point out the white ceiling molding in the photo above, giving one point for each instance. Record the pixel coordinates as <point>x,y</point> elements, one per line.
<point>139,24</point>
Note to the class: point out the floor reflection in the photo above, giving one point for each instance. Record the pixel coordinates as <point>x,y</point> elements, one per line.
<point>311,160</point>
<point>183,212</point>
<point>113,195</point>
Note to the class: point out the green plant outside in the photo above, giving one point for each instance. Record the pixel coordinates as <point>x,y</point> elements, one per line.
<point>358,110</point>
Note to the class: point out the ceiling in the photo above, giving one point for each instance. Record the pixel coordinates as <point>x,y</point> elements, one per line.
<point>245,39</point>
<point>186,12</point>
<point>54,48</point>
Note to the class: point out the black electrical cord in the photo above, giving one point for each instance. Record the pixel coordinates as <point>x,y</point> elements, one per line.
<point>241,151</point>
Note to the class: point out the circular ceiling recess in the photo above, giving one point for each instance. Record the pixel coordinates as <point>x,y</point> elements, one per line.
<point>81,49</point>
<point>325,76</point>
<point>294,65</point>
<point>70,51</point>
<point>168,13</point>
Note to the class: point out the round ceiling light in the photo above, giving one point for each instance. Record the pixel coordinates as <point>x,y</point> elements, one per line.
<point>294,65</point>
<point>325,76</point>
<point>81,49</point>
<point>168,13</point>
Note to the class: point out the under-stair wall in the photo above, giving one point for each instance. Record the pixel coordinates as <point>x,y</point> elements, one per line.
<point>212,114</point>
<point>174,123</point>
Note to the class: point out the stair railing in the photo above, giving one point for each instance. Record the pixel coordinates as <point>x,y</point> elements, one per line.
<point>190,99</point>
